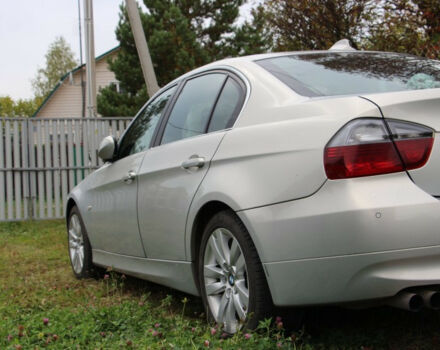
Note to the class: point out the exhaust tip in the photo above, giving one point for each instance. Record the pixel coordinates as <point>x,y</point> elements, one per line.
<point>407,301</point>
<point>431,299</point>
<point>415,302</point>
<point>435,301</point>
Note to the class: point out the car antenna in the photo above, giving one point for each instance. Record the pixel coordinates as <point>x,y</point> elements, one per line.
<point>342,45</point>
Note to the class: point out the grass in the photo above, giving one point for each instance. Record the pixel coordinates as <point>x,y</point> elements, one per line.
<point>43,306</point>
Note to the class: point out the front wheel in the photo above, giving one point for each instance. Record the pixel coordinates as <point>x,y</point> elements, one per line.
<point>80,251</point>
<point>232,282</point>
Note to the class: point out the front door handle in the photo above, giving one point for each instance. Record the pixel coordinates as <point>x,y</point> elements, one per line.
<point>193,162</point>
<point>130,177</point>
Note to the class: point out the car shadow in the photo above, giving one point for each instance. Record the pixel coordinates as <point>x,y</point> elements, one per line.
<point>373,328</point>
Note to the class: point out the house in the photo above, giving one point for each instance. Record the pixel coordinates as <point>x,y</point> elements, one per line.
<point>66,98</point>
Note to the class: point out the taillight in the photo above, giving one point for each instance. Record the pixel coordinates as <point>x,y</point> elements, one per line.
<point>364,147</point>
<point>413,141</point>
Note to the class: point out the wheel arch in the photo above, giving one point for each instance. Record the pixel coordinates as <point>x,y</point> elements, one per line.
<point>69,205</point>
<point>204,214</point>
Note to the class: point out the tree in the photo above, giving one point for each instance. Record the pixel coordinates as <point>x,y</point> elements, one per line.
<point>6,106</point>
<point>318,24</point>
<point>26,107</point>
<point>429,11</point>
<point>59,60</point>
<point>411,26</point>
<point>254,36</point>
<point>181,35</point>
<point>19,108</point>
<point>212,21</point>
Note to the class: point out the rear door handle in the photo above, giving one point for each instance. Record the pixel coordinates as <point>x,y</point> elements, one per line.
<point>194,162</point>
<point>130,177</point>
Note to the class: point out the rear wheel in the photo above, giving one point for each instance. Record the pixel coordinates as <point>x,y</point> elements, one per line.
<point>80,251</point>
<point>232,282</point>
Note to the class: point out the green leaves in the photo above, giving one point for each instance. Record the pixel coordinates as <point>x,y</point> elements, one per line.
<point>317,24</point>
<point>60,59</point>
<point>18,108</point>
<point>407,26</point>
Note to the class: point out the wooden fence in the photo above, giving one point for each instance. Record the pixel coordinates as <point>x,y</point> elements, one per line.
<point>41,160</point>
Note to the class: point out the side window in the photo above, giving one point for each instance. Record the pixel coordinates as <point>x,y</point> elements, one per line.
<point>191,112</point>
<point>228,106</point>
<point>138,136</point>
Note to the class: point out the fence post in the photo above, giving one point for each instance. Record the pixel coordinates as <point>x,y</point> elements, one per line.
<point>25,165</point>
<point>2,172</point>
<point>31,174</point>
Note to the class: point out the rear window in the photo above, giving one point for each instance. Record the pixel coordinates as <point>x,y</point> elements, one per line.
<point>342,73</point>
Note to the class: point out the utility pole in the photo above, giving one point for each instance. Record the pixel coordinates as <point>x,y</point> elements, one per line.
<point>142,47</point>
<point>83,91</point>
<point>90,58</point>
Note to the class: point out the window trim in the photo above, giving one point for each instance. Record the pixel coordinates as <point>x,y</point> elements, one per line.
<point>237,109</point>
<point>165,115</point>
<point>181,84</point>
<point>139,113</point>
<point>211,112</point>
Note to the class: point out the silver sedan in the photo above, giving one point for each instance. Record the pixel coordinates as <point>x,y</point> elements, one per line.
<point>284,179</point>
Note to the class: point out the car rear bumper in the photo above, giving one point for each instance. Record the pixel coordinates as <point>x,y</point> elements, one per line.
<point>352,278</point>
<point>353,240</point>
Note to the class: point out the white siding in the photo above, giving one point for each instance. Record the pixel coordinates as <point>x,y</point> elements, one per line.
<point>104,76</point>
<point>64,103</point>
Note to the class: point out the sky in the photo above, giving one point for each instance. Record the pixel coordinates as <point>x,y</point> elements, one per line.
<point>27,27</point>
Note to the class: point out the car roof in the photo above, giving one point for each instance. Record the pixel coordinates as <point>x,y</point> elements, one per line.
<point>253,58</point>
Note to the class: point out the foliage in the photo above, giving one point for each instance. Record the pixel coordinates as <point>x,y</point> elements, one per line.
<point>211,20</point>
<point>317,24</point>
<point>254,36</point>
<point>114,103</point>
<point>19,108</point>
<point>429,11</point>
<point>59,60</point>
<point>6,106</point>
<point>43,306</point>
<point>411,26</point>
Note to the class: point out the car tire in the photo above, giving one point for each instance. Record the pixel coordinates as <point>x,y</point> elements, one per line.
<point>228,267</point>
<point>79,248</point>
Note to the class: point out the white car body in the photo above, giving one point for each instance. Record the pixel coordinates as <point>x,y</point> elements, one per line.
<point>320,241</point>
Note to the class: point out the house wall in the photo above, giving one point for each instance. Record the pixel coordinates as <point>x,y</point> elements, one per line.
<point>66,101</point>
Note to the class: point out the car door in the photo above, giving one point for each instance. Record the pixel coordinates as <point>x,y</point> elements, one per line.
<point>113,206</point>
<point>173,170</point>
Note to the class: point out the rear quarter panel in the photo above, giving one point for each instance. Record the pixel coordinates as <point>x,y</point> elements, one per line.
<point>281,160</point>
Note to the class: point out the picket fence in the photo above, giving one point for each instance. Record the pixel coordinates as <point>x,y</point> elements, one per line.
<point>42,159</point>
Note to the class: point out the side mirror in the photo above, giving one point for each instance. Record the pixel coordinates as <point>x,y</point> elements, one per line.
<point>107,149</point>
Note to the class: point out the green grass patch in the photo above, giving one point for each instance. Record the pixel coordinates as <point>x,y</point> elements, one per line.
<point>42,305</point>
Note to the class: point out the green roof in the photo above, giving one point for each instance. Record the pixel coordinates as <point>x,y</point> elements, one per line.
<point>74,70</point>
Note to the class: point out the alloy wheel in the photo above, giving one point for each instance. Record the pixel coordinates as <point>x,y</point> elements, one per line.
<point>226,280</point>
<point>76,244</point>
